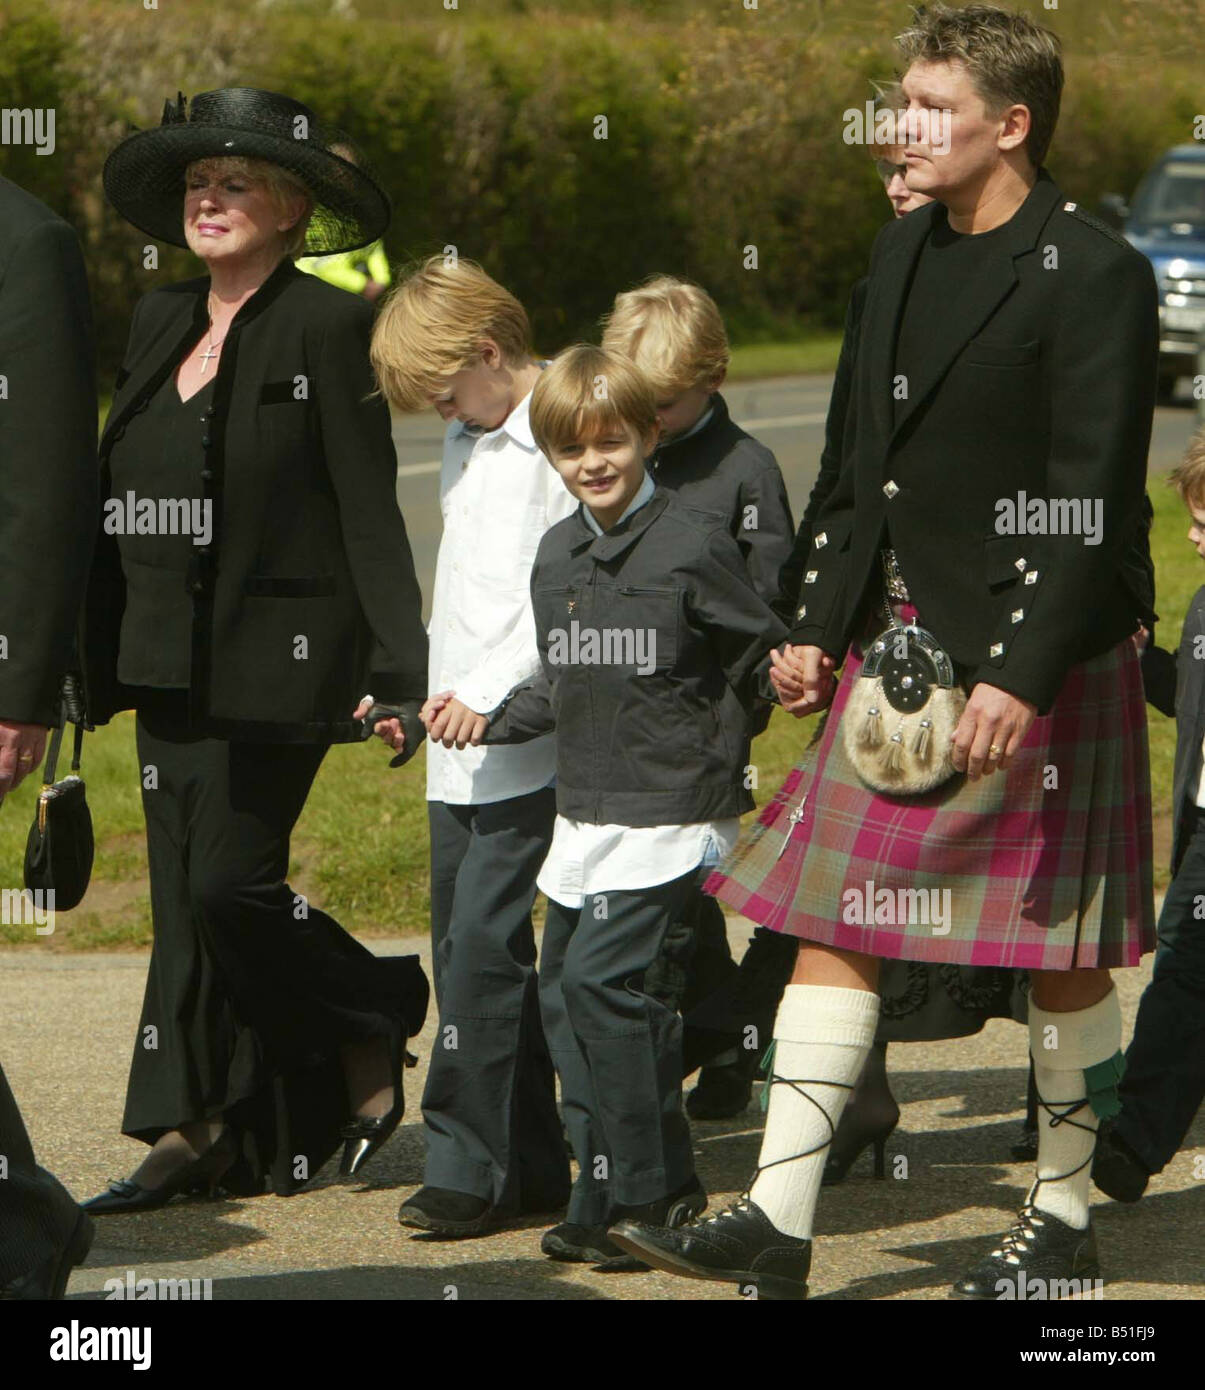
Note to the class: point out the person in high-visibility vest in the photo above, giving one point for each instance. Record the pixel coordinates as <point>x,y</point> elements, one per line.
<point>364,272</point>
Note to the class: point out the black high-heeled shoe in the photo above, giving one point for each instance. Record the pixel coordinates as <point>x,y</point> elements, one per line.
<point>849,1143</point>
<point>363,1135</point>
<point>203,1173</point>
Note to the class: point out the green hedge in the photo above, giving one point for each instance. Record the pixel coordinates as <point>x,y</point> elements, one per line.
<point>724,131</point>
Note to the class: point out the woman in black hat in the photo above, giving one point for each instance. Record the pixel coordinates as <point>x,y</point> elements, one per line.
<point>252,580</point>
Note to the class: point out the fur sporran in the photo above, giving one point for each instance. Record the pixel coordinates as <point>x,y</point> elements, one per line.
<point>902,712</point>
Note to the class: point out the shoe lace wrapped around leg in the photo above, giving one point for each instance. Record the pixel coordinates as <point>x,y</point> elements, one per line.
<point>1023,1231</point>
<point>744,1201</point>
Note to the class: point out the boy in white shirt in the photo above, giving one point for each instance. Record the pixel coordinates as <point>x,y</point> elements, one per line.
<point>451,337</point>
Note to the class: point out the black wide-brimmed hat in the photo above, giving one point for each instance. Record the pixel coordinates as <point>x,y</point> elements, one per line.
<point>144,175</point>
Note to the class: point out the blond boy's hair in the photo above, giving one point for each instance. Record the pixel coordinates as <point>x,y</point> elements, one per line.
<point>1188,476</point>
<point>431,326</point>
<point>673,332</point>
<point>585,391</point>
<point>282,186</point>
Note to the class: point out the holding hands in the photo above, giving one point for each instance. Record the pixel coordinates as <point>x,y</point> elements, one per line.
<point>802,678</point>
<point>451,723</point>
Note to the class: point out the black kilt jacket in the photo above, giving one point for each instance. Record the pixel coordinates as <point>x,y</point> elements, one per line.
<point>308,542</point>
<point>1043,383</point>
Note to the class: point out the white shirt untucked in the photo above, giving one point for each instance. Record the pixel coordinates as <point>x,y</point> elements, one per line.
<point>587,859</point>
<point>498,495</point>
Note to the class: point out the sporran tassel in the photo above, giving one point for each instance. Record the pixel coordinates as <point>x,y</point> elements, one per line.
<point>920,744</point>
<point>870,735</point>
<point>892,757</point>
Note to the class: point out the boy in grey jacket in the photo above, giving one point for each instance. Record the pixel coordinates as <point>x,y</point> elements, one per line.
<point>652,643</point>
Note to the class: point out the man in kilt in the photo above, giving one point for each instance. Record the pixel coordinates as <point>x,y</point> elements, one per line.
<point>991,490</point>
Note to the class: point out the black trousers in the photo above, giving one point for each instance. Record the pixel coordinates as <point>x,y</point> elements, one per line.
<point>617,1049</point>
<point>1164,1080</point>
<point>490,1100</point>
<point>37,1213</point>
<point>251,990</point>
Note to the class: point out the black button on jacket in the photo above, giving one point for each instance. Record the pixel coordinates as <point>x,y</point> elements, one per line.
<point>306,599</point>
<point>653,644</point>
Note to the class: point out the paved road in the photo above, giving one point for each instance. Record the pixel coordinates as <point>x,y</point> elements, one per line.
<point>69,1024</point>
<point>787,414</point>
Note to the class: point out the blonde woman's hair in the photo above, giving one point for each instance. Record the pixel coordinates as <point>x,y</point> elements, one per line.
<point>587,390</point>
<point>672,330</point>
<point>282,187</point>
<point>1188,476</point>
<point>431,326</point>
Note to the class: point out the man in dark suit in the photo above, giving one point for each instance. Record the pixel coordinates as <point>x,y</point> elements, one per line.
<point>48,483</point>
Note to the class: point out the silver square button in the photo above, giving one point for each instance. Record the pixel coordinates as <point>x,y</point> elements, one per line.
<point>1021,562</point>
<point>995,649</point>
<point>801,611</point>
<point>810,577</point>
<point>1018,614</point>
<point>890,488</point>
<point>820,540</point>
<point>1032,577</point>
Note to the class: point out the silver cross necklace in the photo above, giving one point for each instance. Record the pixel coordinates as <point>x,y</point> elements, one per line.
<point>212,350</point>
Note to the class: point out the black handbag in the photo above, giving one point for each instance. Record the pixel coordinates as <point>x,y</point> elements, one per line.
<point>58,853</point>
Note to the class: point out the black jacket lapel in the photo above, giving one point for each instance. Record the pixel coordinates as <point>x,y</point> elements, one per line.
<point>964,318</point>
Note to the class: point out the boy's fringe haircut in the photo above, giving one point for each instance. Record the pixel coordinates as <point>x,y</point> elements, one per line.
<point>673,332</point>
<point>1188,476</point>
<point>431,325</point>
<point>585,391</point>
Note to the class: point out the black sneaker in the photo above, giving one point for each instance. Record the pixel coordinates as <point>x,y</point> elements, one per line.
<point>447,1212</point>
<point>738,1245</point>
<point>1116,1168</point>
<point>587,1245</point>
<point>592,1244</point>
<point>721,1092</point>
<point>1040,1257</point>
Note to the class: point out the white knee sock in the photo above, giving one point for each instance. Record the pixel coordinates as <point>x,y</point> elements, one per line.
<point>1079,1039</point>
<point>822,1036</point>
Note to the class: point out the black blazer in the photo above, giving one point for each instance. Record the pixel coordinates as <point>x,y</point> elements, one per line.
<point>1043,382</point>
<point>47,451</point>
<point>1175,684</point>
<point>307,538</point>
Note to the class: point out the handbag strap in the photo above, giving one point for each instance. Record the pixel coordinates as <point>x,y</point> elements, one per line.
<point>52,755</point>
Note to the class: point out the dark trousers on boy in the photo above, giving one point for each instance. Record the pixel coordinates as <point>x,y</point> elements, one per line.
<point>490,1100</point>
<point>617,1048</point>
<point>1164,1080</point>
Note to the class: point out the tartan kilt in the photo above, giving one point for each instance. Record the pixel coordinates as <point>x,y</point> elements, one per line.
<point>1039,877</point>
